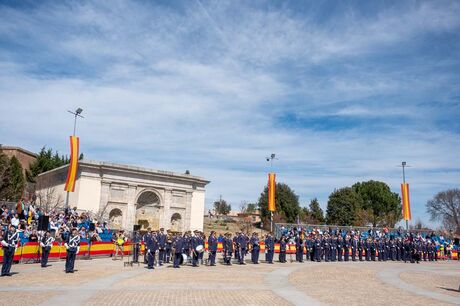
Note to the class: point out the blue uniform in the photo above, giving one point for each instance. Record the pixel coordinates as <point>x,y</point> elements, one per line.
<point>212,248</point>
<point>255,246</point>
<point>270,249</point>
<point>9,243</point>
<point>178,245</point>
<point>73,245</point>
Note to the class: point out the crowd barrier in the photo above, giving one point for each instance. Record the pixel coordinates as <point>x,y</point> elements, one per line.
<point>31,250</point>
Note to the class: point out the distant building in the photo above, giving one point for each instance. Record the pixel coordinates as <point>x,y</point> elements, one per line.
<point>25,157</point>
<point>128,195</point>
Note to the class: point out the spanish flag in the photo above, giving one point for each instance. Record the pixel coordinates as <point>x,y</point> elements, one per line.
<point>72,173</point>
<point>405,201</point>
<point>271,191</point>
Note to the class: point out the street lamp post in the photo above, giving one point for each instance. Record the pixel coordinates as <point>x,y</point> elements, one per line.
<point>403,164</point>
<point>270,159</point>
<point>77,113</point>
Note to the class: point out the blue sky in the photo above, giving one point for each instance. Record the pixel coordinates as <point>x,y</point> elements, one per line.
<point>341,91</point>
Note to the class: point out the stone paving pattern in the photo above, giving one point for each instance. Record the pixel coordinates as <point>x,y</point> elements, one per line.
<point>108,282</point>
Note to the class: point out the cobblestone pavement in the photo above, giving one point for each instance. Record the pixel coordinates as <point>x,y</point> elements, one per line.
<point>108,282</point>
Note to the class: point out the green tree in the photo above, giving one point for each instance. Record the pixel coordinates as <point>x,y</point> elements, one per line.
<point>287,203</point>
<point>383,205</point>
<point>222,207</point>
<point>46,160</point>
<point>342,206</point>
<point>316,212</point>
<point>17,182</point>
<point>251,208</point>
<point>5,176</point>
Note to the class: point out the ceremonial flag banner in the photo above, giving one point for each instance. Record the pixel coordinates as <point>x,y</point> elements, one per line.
<point>72,173</point>
<point>405,201</point>
<point>271,191</point>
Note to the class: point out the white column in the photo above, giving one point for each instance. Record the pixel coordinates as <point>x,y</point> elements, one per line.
<point>130,218</point>
<point>165,221</point>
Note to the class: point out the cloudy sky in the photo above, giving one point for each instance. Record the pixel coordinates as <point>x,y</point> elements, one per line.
<point>341,91</point>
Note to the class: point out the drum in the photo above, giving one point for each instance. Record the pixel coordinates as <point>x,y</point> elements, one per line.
<point>200,248</point>
<point>183,260</point>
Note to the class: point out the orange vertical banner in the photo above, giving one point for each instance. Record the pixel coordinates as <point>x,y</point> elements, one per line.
<point>405,201</point>
<point>72,173</point>
<point>271,191</point>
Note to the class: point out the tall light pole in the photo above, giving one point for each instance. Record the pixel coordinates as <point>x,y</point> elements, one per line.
<point>270,159</point>
<point>403,165</point>
<point>77,113</point>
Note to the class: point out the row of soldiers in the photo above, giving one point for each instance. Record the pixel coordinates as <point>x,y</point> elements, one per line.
<point>320,247</point>
<point>337,248</point>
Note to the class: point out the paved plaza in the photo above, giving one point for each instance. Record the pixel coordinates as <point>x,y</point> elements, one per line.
<point>107,282</point>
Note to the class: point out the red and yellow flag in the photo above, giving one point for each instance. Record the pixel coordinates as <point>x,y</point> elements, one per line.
<point>405,201</point>
<point>72,173</point>
<point>271,191</point>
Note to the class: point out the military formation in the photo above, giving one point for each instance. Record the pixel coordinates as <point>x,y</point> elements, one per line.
<point>162,247</point>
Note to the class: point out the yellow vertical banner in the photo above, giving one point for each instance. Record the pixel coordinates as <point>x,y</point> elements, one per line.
<point>405,201</point>
<point>271,191</point>
<point>72,173</point>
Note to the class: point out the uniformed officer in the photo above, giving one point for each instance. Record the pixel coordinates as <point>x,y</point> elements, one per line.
<point>152,247</point>
<point>317,247</point>
<point>46,244</point>
<point>346,248</point>
<point>228,249</point>
<point>339,247</point>
<point>326,245</point>
<point>354,247</point>
<point>360,248</point>
<point>194,242</point>
<point>333,248</point>
<point>241,242</point>
<point>9,244</point>
<point>298,248</point>
<point>269,248</point>
<point>161,238</point>
<point>212,248</point>
<point>282,254</point>
<point>73,247</point>
<point>178,246</point>
<point>168,247</point>
<point>254,242</point>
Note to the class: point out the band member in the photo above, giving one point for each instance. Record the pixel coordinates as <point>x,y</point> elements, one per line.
<point>144,239</point>
<point>136,246</point>
<point>152,247</point>
<point>254,242</point>
<point>161,246</point>
<point>9,244</point>
<point>72,245</point>
<point>282,254</point>
<point>298,248</point>
<point>241,242</point>
<point>168,247</point>
<point>194,242</point>
<point>228,249</point>
<point>119,242</point>
<point>201,239</point>
<point>178,248</point>
<point>46,244</point>
<point>354,247</point>
<point>212,248</point>
<point>269,248</point>
<point>346,248</point>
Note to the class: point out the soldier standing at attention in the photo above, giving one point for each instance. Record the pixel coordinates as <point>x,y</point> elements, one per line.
<point>178,246</point>
<point>9,244</point>
<point>298,248</point>
<point>282,254</point>
<point>46,244</point>
<point>269,248</point>
<point>212,248</point>
<point>161,237</point>
<point>73,247</point>
<point>255,248</point>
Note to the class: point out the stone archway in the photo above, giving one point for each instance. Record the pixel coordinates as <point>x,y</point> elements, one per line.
<point>116,218</point>
<point>176,222</point>
<point>148,210</point>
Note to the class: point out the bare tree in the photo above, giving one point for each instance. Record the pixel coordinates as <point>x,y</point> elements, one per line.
<point>445,207</point>
<point>49,199</point>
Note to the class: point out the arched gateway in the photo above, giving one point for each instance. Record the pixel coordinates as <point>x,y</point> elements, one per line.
<point>148,210</point>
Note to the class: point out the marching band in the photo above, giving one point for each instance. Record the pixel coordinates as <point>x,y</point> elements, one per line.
<point>161,247</point>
